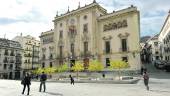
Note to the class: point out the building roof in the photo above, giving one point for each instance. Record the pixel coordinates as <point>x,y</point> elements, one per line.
<point>50,32</point>
<point>165,21</point>
<point>9,43</point>
<point>79,9</point>
<point>114,13</point>
<point>155,37</point>
<point>144,39</point>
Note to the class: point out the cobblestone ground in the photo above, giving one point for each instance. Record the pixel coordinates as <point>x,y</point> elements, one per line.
<point>159,86</point>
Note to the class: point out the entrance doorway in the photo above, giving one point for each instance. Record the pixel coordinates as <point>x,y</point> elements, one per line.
<point>86,63</point>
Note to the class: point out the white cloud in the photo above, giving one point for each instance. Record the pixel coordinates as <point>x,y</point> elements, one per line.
<point>40,13</point>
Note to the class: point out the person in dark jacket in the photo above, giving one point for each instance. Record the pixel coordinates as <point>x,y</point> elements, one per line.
<point>71,79</point>
<point>26,82</point>
<point>146,79</point>
<point>43,79</point>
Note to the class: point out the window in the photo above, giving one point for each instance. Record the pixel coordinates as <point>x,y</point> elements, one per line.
<point>61,51</point>
<point>51,64</point>
<point>51,56</point>
<point>5,66</point>
<point>85,47</point>
<point>72,49</point>
<point>43,56</point>
<point>85,17</point>
<point>6,52</point>
<point>61,24</point>
<point>156,44</point>
<point>124,45</point>
<point>107,47</point>
<point>125,59</point>
<point>43,65</point>
<point>61,34</point>
<point>107,62</point>
<point>85,28</point>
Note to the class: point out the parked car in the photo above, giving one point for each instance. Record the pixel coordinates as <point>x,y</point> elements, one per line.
<point>160,64</point>
<point>167,67</point>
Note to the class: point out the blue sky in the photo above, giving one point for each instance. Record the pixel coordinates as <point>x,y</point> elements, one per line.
<point>35,16</point>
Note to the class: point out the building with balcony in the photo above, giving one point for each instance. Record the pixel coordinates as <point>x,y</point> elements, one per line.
<point>90,32</point>
<point>10,59</point>
<point>164,39</point>
<point>31,52</point>
<point>155,48</point>
<point>47,52</point>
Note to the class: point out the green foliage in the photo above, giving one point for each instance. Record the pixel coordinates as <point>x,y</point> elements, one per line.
<point>48,70</point>
<point>62,68</point>
<point>78,67</point>
<point>95,66</point>
<point>118,65</point>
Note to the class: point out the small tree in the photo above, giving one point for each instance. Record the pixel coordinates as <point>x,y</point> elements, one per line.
<point>62,68</point>
<point>95,66</point>
<point>118,65</point>
<point>78,67</point>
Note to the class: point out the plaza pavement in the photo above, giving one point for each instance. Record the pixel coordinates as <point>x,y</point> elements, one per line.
<point>158,87</point>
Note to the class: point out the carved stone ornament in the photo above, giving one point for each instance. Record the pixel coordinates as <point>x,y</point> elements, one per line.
<point>123,36</point>
<point>60,43</point>
<point>115,25</point>
<point>85,38</point>
<point>107,38</point>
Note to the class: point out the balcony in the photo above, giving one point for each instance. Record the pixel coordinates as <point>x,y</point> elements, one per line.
<point>6,53</point>
<point>5,61</point>
<point>107,51</point>
<point>12,54</point>
<point>12,61</point>
<point>27,55</point>
<point>124,49</point>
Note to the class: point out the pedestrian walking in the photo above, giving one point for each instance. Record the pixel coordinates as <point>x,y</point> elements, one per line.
<point>71,79</point>
<point>146,79</point>
<point>43,78</point>
<point>26,82</point>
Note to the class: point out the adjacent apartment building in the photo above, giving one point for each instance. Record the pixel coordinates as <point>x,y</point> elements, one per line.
<point>10,59</point>
<point>89,33</point>
<point>164,39</point>
<point>47,52</point>
<point>31,52</point>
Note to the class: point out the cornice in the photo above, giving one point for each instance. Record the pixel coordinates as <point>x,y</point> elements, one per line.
<point>118,13</point>
<point>80,10</point>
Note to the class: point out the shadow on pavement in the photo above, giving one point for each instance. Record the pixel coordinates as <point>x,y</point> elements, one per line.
<point>55,94</point>
<point>160,91</point>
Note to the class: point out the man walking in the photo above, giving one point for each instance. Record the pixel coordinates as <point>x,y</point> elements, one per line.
<point>43,79</point>
<point>71,79</point>
<point>26,82</point>
<point>146,79</point>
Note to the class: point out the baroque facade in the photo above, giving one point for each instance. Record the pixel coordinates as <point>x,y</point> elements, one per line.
<point>31,48</point>
<point>164,39</point>
<point>90,32</point>
<point>10,59</point>
<point>47,52</point>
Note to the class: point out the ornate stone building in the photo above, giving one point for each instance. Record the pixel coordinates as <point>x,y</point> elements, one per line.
<point>31,48</point>
<point>10,59</point>
<point>164,39</point>
<point>90,32</point>
<point>47,52</point>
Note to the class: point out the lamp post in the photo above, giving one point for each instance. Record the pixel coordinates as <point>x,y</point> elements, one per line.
<point>33,56</point>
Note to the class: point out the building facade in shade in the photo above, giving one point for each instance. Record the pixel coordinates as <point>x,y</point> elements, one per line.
<point>31,48</point>
<point>154,48</point>
<point>47,52</point>
<point>164,39</point>
<point>89,33</point>
<point>10,59</point>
